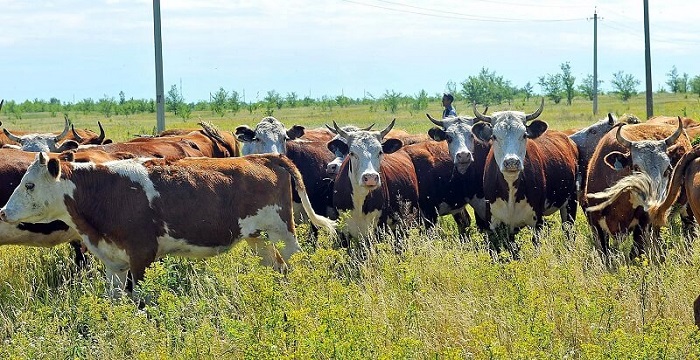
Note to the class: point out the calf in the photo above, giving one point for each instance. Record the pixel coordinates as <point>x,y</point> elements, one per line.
<point>376,183</point>
<point>529,173</point>
<point>140,216</point>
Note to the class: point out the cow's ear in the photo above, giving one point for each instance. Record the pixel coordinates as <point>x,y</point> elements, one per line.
<point>617,160</point>
<point>338,146</point>
<point>296,131</point>
<point>535,129</point>
<point>482,131</point>
<point>68,145</point>
<point>244,133</point>
<point>675,153</point>
<point>391,145</point>
<point>54,168</point>
<point>437,134</point>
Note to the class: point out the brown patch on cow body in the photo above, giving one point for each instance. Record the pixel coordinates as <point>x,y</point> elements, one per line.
<point>199,201</point>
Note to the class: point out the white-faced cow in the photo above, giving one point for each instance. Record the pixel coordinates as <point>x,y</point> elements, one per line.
<point>465,165</point>
<point>269,137</point>
<point>376,182</point>
<point>140,215</point>
<point>529,173</point>
<point>611,208</point>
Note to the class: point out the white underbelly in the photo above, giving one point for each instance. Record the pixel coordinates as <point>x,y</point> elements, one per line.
<point>515,215</point>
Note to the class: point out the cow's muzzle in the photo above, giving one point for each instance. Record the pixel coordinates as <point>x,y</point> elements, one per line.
<point>512,164</point>
<point>370,180</point>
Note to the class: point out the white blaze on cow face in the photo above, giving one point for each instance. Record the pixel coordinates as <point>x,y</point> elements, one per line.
<point>39,197</point>
<point>269,137</point>
<point>457,132</point>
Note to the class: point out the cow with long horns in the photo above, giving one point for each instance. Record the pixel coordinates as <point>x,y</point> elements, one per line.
<point>529,173</point>
<point>613,204</point>
<point>48,142</point>
<point>376,182</point>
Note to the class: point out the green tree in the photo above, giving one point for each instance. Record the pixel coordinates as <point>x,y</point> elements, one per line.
<point>567,80</point>
<point>552,86</point>
<point>273,100</point>
<point>391,100</point>
<point>107,106</point>
<point>586,86</point>
<point>487,88</point>
<point>421,101</point>
<point>173,101</point>
<point>218,102</point>
<point>234,101</point>
<point>695,85</point>
<point>625,85</point>
<point>292,99</point>
<point>528,91</point>
<point>672,80</point>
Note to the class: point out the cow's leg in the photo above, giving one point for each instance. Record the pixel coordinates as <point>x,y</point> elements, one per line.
<point>116,279</point>
<point>638,248</point>
<point>79,254</point>
<point>696,311</point>
<point>291,245</point>
<point>689,223</point>
<point>268,253</point>
<point>463,221</point>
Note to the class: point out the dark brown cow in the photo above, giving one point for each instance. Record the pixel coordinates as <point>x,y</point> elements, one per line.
<point>376,183</point>
<point>529,173</point>
<point>141,215</point>
<point>468,160</point>
<point>88,137</point>
<point>611,208</point>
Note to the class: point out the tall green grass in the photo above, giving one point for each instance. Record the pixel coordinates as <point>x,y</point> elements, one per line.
<point>440,297</point>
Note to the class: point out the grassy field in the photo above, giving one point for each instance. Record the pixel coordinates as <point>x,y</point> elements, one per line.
<point>443,297</point>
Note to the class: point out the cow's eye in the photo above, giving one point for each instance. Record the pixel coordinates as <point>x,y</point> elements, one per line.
<point>636,168</point>
<point>448,138</point>
<point>593,131</point>
<point>668,172</point>
<point>352,154</point>
<point>29,186</point>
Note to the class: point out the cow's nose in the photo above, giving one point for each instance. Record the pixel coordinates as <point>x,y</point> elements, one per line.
<point>464,157</point>
<point>332,169</point>
<point>511,163</point>
<point>3,216</point>
<point>370,179</point>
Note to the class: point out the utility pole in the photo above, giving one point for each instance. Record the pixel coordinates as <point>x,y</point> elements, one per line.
<point>595,62</point>
<point>160,92</point>
<point>647,61</point>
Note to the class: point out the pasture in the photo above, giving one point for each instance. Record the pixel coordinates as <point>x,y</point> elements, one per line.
<point>442,297</point>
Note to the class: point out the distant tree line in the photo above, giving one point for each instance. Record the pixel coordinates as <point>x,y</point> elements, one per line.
<point>485,88</point>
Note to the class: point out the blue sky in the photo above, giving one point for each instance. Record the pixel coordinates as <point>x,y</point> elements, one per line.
<point>76,49</point>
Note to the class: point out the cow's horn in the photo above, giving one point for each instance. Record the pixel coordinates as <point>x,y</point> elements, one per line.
<point>383,133</point>
<point>537,112</point>
<point>12,136</point>
<point>101,138</point>
<point>368,128</point>
<point>479,115</point>
<point>611,119</point>
<point>340,131</point>
<point>440,123</point>
<point>331,129</point>
<point>65,130</point>
<point>77,137</point>
<point>673,138</point>
<point>621,139</point>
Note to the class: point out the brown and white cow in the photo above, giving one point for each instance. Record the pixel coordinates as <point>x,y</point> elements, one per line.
<point>685,180</point>
<point>529,173</point>
<point>141,216</point>
<point>612,208</point>
<point>209,140</point>
<point>466,164</point>
<point>376,183</point>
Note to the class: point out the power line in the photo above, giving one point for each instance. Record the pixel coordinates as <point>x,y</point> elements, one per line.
<point>462,17</point>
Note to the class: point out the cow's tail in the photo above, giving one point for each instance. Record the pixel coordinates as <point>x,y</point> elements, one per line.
<point>298,183</point>
<point>659,212</point>
<point>638,185</point>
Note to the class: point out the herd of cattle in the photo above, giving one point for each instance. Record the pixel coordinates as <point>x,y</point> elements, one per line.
<point>124,201</point>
